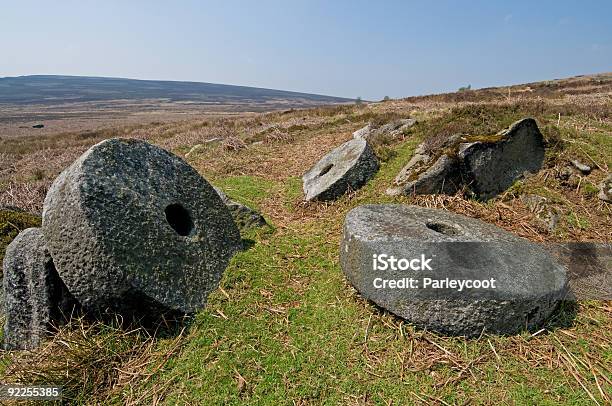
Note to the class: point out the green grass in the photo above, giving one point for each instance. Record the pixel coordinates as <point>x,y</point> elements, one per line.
<point>291,329</point>
<point>576,221</point>
<point>248,190</point>
<point>287,328</point>
<point>590,189</point>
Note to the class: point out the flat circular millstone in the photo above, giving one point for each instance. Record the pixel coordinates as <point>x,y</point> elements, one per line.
<point>350,165</point>
<point>519,284</point>
<point>131,226</point>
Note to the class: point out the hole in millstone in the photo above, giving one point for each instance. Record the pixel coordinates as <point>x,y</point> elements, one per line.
<point>179,219</point>
<point>442,228</point>
<point>326,169</point>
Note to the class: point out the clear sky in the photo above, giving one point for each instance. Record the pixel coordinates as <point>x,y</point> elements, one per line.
<point>342,48</point>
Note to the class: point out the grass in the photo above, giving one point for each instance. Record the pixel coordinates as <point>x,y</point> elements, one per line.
<point>248,190</point>
<point>89,358</point>
<point>286,328</point>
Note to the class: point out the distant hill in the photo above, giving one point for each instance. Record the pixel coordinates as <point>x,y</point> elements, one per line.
<point>52,89</point>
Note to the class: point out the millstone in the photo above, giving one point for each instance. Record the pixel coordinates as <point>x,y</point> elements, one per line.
<point>35,297</point>
<point>527,283</point>
<point>349,166</point>
<point>485,165</point>
<point>132,227</point>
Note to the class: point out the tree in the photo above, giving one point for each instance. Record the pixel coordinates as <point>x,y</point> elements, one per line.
<point>358,101</point>
<point>465,88</point>
<point>386,98</point>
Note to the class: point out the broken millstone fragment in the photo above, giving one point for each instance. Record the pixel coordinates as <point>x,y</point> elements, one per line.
<point>515,284</point>
<point>12,221</point>
<point>349,166</point>
<point>243,216</point>
<point>493,165</point>
<point>423,175</point>
<point>35,297</point>
<point>132,228</point>
<point>486,165</point>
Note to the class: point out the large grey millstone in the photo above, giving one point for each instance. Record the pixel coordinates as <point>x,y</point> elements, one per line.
<point>529,283</point>
<point>133,228</point>
<point>35,298</point>
<point>348,166</point>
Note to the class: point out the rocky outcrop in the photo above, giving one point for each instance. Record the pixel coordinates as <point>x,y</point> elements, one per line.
<point>349,166</point>
<point>135,229</point>
<point>395,128</point>
<point>519,284</point>
<point>486,166</point>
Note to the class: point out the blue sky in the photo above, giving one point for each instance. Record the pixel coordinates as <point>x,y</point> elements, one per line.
<point>344,48</point>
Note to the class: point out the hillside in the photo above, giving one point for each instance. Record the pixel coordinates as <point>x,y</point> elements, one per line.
<point>52,89</point>
<point>57,104</point>
<point>285,327</point>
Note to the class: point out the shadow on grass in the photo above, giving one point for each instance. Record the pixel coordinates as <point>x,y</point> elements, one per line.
<point>563,316</point>
<point>247,244</point>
